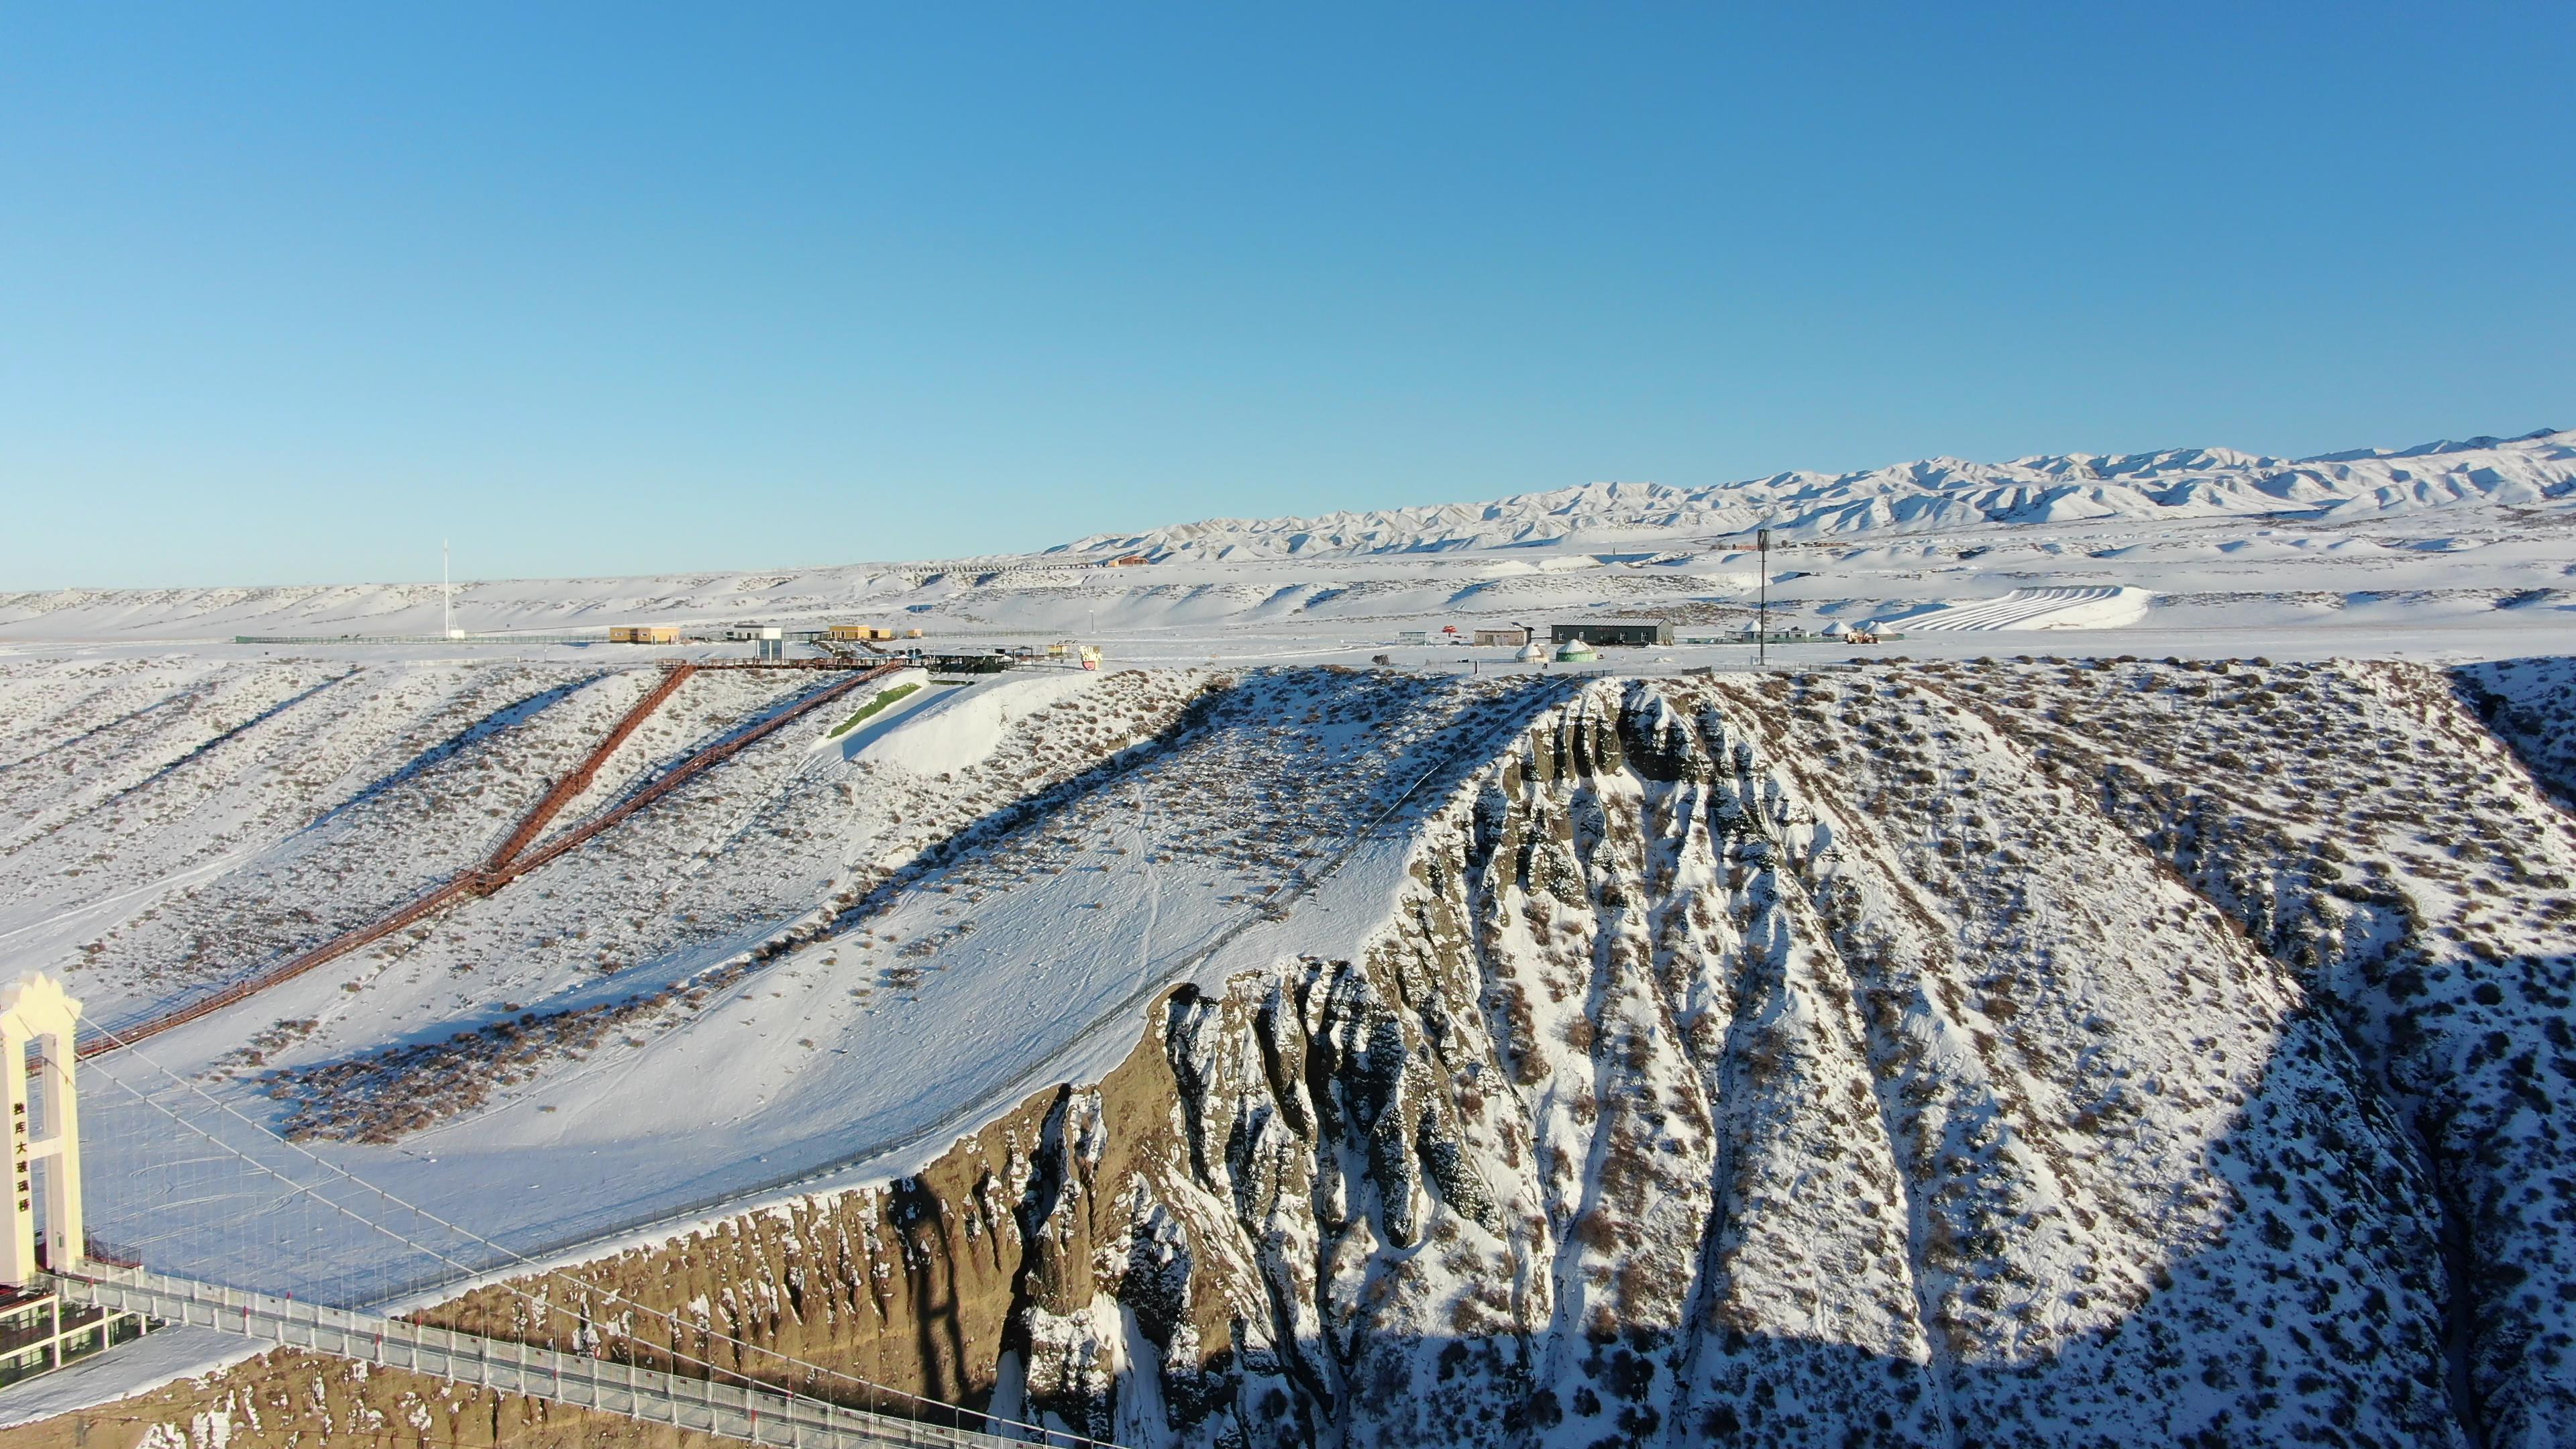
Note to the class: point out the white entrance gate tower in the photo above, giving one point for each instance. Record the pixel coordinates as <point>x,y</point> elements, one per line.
<point>45,1128</point>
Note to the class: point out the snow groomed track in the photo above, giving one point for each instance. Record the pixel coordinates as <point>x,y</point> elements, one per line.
<point>2103,606</point>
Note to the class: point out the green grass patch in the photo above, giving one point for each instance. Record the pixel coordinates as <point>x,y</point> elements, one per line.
<point>871,707</point>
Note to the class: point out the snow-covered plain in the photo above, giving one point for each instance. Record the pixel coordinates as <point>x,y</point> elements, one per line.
<point>2447,548</point>
<point>822,962</point>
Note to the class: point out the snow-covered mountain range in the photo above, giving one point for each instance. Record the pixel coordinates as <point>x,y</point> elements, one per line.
<point>2470,538</point>
<point>1931,493</point>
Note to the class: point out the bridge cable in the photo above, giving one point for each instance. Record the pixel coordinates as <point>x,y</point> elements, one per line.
<point>679,1327</point>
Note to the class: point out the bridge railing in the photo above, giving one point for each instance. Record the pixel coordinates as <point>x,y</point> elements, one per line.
<point>745,1411</point>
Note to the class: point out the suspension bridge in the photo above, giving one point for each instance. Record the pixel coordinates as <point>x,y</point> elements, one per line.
<point>744,1410</point>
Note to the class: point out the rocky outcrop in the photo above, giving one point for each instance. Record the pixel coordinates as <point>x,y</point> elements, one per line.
<point>1711,1084</point>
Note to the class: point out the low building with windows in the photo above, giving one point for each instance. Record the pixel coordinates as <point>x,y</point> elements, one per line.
<point>1619,633</point>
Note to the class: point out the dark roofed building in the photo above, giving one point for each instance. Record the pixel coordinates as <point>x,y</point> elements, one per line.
<point>1631,633</point>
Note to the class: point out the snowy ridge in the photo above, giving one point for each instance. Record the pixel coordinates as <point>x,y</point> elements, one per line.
<point>1595,543</point>
<point>1932,493</point>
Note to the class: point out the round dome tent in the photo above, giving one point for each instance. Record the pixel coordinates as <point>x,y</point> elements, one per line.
<point>1531,653</point>
<point>1575,651</point>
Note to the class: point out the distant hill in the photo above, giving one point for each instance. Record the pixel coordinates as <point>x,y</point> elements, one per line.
<point>1931,493</point>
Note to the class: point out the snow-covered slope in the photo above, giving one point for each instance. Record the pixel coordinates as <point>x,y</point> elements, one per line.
<point>2054,1051</point>
<point>2103,607</point>
<point>1230,1051</point>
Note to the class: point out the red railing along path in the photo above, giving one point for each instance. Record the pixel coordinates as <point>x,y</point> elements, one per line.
<point>501,873</point>
<point>570,786</point>
<point>509,863</point>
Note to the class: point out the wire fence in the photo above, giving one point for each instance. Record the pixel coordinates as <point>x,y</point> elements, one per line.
<point>228,1213</point>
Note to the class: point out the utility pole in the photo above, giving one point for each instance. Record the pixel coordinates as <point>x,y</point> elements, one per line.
<point>1762,609</point>
<point>446,596</point>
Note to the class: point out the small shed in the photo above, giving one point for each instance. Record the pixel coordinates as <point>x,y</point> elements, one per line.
<point>1511,638</point>
<point>1622,633</point>
<point>643,633</point>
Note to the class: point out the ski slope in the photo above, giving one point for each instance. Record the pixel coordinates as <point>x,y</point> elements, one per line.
<point>2097,607</point>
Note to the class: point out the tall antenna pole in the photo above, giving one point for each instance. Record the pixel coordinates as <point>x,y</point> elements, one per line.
<point>446,596</point>
<point>1762,610</point>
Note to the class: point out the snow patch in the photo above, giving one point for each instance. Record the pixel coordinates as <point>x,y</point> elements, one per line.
<point>951,732</point>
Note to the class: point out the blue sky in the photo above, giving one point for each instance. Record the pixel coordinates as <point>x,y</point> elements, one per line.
<point>286,293</point>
